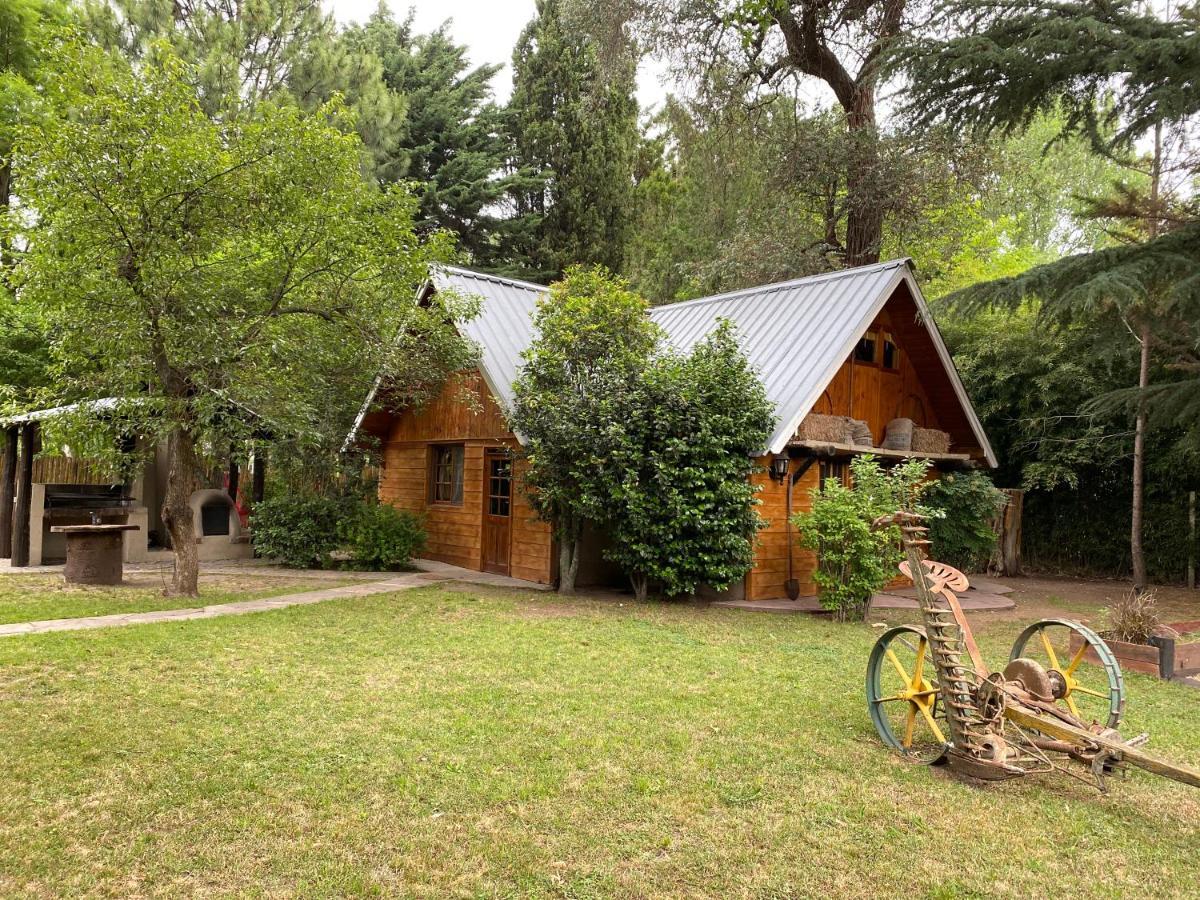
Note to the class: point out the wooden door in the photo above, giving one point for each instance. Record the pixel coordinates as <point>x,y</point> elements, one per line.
<point>497,511</point>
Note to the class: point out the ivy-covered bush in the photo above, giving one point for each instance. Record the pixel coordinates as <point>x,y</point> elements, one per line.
<point>379,536</point>
<point>854,561</point>
<point>963,535</point>
<point>299,530</point>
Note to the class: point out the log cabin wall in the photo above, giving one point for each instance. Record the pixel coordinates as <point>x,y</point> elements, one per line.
<point>766,580</point>
<point>876,394</point>
<point>464,413</point>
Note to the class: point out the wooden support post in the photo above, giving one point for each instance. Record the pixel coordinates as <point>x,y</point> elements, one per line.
<point>8,486</point>
<point>257,476</point>
<point>234,473</point>
<point>21,516</point>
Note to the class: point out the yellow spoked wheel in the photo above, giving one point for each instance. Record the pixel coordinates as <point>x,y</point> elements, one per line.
<point>902,695</point>
<point>1083,674</point>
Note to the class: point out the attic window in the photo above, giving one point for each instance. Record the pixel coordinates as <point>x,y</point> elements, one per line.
<point>865,351</point>
<point>891,353</point>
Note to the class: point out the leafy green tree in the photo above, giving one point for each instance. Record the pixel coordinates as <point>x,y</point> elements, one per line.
<point>963,536</point>
<point>855,560</point>
<point>452,145</point>
<point>743,45</point>
<point>993,68</point>
<point>225,277</point>
<point>593,342</point>
<point>573,127</point>
<point>684,512</point>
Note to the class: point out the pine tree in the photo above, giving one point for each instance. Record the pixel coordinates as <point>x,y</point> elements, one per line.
<point>246,52</point>
<point>1131,78</point>
<point>573,127</point>
<point>451,143</point>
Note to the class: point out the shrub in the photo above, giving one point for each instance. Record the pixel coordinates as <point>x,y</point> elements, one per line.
<point>382,537</point>
<point>963,536</point>
<point>854,561</point>
<point>1134,618</point>
<point>298,530</point>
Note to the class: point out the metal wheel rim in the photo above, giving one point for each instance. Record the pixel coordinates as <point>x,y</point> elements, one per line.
<point>1112,668</point>
<point>876,700</point>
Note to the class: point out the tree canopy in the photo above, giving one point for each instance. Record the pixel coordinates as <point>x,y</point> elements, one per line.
<point>227,277</point>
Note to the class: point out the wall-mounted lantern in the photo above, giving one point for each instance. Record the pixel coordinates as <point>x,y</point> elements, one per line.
<point>779,467</point>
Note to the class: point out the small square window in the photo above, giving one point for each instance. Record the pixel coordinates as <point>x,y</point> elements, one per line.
<point>832,470</point>
<point>865,351</point>
<point>891,353</point>
<point>446,474</point>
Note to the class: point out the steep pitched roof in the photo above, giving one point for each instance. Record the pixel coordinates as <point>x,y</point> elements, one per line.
<point>795,334</point>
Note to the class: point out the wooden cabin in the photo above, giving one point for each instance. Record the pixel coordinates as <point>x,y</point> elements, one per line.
<point>858,343</point>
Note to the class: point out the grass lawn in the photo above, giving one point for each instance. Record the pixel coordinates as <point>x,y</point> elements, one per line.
<point>31,598</point>
<point>481,742</point>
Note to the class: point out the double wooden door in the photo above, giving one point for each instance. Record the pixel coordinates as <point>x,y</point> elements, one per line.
<point>497,512</point>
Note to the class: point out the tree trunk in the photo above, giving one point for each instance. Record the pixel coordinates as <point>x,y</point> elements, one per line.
<point>177,512</point>
<point>864,213</point>
<point>568,556</point>
<point>1139,462</point>
<point>641,587</point>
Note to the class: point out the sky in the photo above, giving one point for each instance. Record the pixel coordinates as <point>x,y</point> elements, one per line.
<point>490,29</point>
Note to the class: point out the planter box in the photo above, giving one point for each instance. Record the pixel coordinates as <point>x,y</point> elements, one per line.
<point>1165,656</point>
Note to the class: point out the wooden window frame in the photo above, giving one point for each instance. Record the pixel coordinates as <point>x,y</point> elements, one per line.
<point>840,470</point>
<point>446,471</point>
<point>491,493</point>
<point>886,339</point>
<point>871,334</point>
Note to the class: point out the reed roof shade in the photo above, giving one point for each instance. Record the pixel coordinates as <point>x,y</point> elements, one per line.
<point>796,335</point>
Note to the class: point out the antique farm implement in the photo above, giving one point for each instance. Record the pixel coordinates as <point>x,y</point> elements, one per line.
<point>932,698</point>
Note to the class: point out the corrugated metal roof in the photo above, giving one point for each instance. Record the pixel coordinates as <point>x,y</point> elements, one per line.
<point>503,328</point>
<point>795,334</point>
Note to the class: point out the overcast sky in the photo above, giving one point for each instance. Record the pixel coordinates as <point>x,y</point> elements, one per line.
<point>490,29</point>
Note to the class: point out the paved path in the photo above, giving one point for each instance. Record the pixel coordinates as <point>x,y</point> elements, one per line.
<point>985,594</point>
<point>429,572</point>
<point>394,583</point>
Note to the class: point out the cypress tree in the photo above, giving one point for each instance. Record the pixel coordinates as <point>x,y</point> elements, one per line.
<point>572,123</point>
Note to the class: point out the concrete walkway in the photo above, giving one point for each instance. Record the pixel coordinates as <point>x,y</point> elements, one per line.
<point>238,608</point>
<point>428,572</point>
<point>985,594</point>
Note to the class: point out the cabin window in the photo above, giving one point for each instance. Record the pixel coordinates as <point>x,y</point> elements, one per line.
<point>891,353</point>
<point>832,469</point>
<point>499,485</point>
<point>446,474</point>
<point>865,351</point>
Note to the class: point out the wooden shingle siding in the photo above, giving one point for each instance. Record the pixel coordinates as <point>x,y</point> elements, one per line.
<point>465,413</point>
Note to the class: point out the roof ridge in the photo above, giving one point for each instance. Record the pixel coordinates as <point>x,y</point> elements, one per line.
<point>488,276</point>
<point>782,285</point>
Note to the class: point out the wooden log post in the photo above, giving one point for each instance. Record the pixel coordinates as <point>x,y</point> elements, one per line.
<point>8,488</point>
<point>24,499</point>
<point>1006,558</point>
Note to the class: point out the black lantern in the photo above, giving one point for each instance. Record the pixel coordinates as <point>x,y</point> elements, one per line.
<point>779,467</point>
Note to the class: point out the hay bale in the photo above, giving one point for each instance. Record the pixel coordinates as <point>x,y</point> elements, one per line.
<point>830,429</point>
<point>930,440</point>
<point>899,435</point>
<point>861,433</point>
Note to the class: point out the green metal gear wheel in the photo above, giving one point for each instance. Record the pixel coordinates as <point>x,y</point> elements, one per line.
<point>1061,646</point>
<point>902,695</point>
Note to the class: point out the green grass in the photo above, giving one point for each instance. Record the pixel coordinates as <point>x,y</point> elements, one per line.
<point>32,598</point>
<point>437,743</point>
